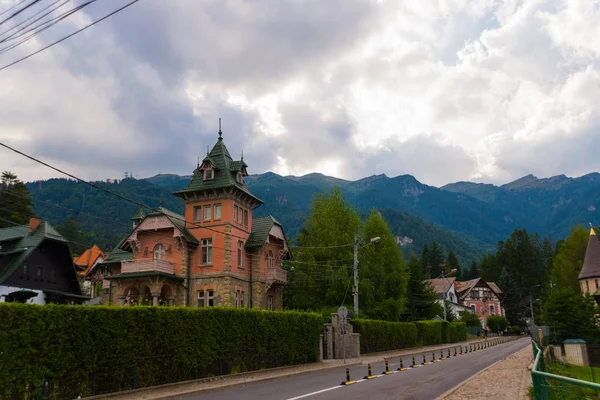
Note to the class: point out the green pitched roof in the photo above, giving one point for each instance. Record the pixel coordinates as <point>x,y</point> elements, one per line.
<point>13,232</point>
<point>225,174</point>
<point>261,226</point>
<point>27,245</point>
<point>138,215</point>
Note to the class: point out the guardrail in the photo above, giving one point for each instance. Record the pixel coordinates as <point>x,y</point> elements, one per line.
<point>543,390</point>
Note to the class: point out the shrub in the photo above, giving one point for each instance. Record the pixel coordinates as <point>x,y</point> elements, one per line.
<point>457,331</point>
<point>110,348</point>
<point>429,332</point>
<point>378,336</point>
<point>514,329</point>
<point>469,318</point>
<point>497,323</point>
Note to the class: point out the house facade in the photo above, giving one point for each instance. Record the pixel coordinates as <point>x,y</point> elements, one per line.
<point>484,298</point>
<point>36,266</point>
<point>215,254</point>
<point>445,288</point>
<point>589,277</point>
<point>84,263</point>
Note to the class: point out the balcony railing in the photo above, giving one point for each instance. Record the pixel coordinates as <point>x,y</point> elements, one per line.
<point>276,275</point>
<point>145,265</point>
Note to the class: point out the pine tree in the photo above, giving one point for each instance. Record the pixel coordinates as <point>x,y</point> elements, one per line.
<point>452,263</point>
<point>15,201</point>
<point>436,259</point>
<point>473,271</point>
<point>71,231</point>
<point>569,259</point>
<point>421,302</point>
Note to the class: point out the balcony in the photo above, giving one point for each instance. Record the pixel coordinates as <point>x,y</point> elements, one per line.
<point>146,265</point>
<point>276,275</point>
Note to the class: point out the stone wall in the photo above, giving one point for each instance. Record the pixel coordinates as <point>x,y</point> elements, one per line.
<point>341,341</point>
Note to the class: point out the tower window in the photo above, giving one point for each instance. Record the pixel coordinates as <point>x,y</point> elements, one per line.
<point>159,252</point>
<point>208,174</point>
<point>206,251</point>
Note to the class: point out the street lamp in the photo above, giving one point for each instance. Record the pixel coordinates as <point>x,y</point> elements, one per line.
<point>373,240</point>
<point>531,305</point>
<point>453,270</point>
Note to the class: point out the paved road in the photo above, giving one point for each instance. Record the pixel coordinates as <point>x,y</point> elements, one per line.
<point>426,382</point>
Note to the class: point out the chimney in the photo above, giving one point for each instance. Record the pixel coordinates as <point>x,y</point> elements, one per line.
<point>34,223</point>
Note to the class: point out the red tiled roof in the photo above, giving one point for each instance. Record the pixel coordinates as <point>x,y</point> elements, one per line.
<point>494,287</point>
<point>439,286</point>
<point>88,259</point>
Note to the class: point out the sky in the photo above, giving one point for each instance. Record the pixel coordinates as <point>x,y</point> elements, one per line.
<point>446,91</point>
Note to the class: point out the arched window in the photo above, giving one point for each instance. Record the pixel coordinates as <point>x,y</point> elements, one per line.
<point>159,252</point>
<point>270,259</point>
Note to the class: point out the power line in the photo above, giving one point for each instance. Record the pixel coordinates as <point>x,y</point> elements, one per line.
<point>19,11</point>
<point>14,6</point>
<point>27,19</point>
<point>68,36</point>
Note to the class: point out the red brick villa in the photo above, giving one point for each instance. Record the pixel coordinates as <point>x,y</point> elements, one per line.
<point>215,254</point>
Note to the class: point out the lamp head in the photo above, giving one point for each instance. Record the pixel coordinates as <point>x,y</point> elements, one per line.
<point>376,239</point>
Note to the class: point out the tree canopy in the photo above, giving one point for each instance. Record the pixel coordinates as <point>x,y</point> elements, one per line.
<point>15,201</point>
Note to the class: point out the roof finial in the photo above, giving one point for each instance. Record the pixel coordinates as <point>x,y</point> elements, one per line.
<point>220,133</point>
<point>242,154</point>
<point>206,149</point>
<point>161,198</point>
<point>198,162</point>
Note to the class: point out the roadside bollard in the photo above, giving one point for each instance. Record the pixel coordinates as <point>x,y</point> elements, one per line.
<point>414,365</point>
<point>387,369</point>
<point>455,352</point>
<point>369,375</point>
<point>401,366</point>
<point>442,355</point>
<point>433,360</point>
<point>448,356</point>
<point>424,360</point>
<point>348,381</point>
<point>461,350</point>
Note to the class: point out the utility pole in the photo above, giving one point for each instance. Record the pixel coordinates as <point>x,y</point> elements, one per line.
<point>444,294</point>
<point>355,288</point>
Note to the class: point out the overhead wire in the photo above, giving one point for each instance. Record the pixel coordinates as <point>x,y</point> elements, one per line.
<point>19,11</point>
<point>27,19</point>
<point>12,7</point>
<point>68,36</point>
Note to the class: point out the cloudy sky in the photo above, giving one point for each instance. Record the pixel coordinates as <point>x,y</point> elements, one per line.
<point>482,90</point>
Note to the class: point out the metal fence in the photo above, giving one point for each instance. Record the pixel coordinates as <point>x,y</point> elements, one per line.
<point>567,371</point>
<point>143,372</point>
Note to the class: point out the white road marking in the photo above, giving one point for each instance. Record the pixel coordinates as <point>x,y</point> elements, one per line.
<point>317,392</point>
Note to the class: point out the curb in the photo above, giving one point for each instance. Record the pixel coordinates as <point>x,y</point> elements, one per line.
<point>461,384</point>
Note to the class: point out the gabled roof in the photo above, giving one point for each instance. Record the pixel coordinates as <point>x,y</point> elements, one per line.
<point>225,174</point>
<point>114,257</point>
<point>439,285</point>
<point>261,227</point>
<point>27,244</point>
<point>494,287</point>
<point>591,261</point>
<point>138,215</point>
<point>13,232</point>
<point>463,288</point>
<point>177,220</point>
<point>88,259</point>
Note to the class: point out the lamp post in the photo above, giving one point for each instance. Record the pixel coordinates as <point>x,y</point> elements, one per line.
<point>531,304</point>
<point>444,291</point>
<point>376,239</point>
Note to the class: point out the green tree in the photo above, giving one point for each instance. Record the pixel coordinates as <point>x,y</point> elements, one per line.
<point>569,259</point>
<point>473,271</point>
<point>421,302</point>
<point>383,274</point>
<point>497,323</point>
<point>453,263</point>
<point>433,260</point>
<point>470,318</point>
<point>71,230</point>
<point>572,314</point>
<point>321,271</point>
<point>15,201</point>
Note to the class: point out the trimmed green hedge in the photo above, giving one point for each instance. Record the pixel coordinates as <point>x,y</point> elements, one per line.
<point>85,350</point>
<point>429,332</point>
<point>378,336</point>
<point>457,332</point>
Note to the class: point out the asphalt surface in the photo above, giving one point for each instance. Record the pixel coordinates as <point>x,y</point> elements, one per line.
<point>425,382</point>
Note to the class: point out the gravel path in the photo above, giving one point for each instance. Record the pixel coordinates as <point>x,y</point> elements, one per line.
<point>508,379</point>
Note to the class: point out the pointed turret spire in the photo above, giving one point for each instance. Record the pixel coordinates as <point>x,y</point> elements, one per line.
<point>591,261</point>
<point>220,133</point>
<point>242,155</point>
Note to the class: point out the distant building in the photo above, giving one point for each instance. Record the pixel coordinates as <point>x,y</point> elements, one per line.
<point>84,264</point>
<point>589,277</point>
<point>475,295</point>
<point>215,254</point>
<point>36,266</point>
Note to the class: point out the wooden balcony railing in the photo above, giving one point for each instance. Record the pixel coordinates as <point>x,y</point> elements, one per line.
<point>276,275</point>
<point>145,265</point>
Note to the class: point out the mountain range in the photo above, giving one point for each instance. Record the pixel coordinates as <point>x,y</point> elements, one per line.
<point>469,218</point>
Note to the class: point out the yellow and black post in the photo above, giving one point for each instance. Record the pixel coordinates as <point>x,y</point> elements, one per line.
<point>387,369</point>
<point>414,365</point>
<point>424,361</point>
<point>433,357</point>
<point>448,356</point>
<point>442,355</point>
<point>348,381</point>
<point>461,352</point>
<point>401,365</point>
<point>455,352</point>
<point>369,374</point>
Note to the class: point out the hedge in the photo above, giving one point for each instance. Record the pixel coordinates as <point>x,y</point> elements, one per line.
<point>429,332</point>
<point>457,332</point>
<point>80,351</point>
<point>378,336</point>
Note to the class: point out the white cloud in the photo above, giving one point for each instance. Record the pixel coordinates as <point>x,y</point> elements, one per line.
<point>444,90</point>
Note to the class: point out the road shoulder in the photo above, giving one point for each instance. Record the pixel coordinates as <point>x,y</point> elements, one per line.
<point>506,379</point>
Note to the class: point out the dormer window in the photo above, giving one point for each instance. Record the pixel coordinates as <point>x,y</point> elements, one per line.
<point>240,177</point>
<point>209,174</point>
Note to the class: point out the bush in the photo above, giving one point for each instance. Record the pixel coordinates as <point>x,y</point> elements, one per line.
<point>497,323</point>
<point>516,330</point>
<point>117,348</point>
<point>457,332</point>
<point>378,336</point>
<point>469,318</point>
<point>429,332</point>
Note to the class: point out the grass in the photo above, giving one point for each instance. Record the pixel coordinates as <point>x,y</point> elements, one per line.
<point>590,374</point>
